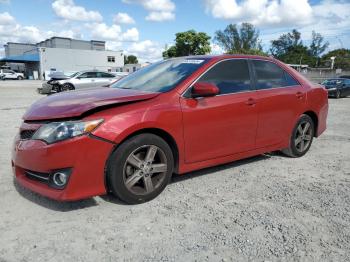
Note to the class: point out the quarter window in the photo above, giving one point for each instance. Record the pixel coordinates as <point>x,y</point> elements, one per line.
<point>270,75</point>
<point>230,76</point>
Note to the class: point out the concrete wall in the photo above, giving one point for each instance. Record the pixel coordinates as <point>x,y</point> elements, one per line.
<point>69,60</point>
<point>16,49</point>
<point>319,75</point>
<point>61,42</point>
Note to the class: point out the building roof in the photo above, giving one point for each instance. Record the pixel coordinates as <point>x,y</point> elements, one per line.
<point>22,58</point>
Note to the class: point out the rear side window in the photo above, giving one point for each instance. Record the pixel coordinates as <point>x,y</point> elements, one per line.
<point>230,76</point>
<point>105,75</point>
<point>270,75</point>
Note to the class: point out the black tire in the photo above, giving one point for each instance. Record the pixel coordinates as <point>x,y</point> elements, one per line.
<point>118,167</point>
<point>296,149</point>
<point>20,78</point>
<point>66,87</point>
<point>337,94</point>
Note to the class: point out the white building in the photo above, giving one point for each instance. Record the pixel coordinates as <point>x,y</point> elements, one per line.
<point>62,54</point>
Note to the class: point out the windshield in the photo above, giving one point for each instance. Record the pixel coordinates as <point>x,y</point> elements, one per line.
<point>162,76</point>
<point>73,75</point>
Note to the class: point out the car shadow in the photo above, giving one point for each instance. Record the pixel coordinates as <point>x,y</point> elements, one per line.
<point>206,171</point>
<point>91,202</point>
<point>53,204</point>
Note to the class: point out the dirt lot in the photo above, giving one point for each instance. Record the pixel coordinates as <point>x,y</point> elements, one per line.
<point>267,208</point>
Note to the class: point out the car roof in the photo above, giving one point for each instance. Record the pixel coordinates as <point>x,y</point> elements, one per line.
<point>225,56</point>
<point>85,71</point>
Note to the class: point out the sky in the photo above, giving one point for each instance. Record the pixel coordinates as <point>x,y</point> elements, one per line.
<point>145,27</point>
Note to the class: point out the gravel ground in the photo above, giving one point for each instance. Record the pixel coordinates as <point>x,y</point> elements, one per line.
<point>266,208</point>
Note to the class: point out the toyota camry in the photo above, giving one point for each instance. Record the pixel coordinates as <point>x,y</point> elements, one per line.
<point>174,116</point>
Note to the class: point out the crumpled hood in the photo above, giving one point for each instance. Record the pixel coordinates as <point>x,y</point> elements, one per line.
<point>75,103</point>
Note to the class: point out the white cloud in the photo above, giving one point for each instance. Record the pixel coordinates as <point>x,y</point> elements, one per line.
<point>67,9</point>
<point>123,18</point>
<point>216,49</point>
<point>146,51</point>
<point>11,31</point>
<point>6,19</point>
<point>262,12</point>
<point>113,33</point>
<point>160,16</point>
<point>330,18</point>
<point>159,10</point>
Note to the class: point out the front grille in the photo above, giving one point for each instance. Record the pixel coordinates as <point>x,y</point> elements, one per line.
<point>42,177</point>
<point>27,134</point>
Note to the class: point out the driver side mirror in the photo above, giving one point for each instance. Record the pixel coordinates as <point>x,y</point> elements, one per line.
<point>204,89</point>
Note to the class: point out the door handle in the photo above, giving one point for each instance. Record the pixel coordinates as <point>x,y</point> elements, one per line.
<point>251,102</point>
<point>299,95</point>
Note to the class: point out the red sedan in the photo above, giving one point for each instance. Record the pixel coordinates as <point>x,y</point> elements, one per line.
<point>174,116</point>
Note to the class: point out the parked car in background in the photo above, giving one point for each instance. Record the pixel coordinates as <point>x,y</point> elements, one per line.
<point>78,80</point>
<point>174,116</point>
<point>337,87</point>
<point>10,74</point>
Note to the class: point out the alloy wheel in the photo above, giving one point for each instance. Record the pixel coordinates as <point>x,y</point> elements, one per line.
<point>145,169</point>
<point>337,95</point>
<point>303,136</point>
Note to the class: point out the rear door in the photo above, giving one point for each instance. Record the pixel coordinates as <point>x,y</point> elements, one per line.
<point>104,79</point>
<point>224,124</point>
<point>280,100</point>
<point>85,80</point>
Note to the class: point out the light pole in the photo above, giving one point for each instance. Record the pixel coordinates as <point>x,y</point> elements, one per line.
<point>332,61</point>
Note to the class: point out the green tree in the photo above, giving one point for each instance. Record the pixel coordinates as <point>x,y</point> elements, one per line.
<point>298,54</point>
<point>170,52</point>
<point>318,45</point>
<point>285,43</point>
<point>131,59</point>
<point>189,43</point>
<point>342,58</point>
<point>243,40</point>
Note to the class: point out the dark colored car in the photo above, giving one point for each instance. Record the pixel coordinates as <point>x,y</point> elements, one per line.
<point>174,116</point>
<point>337,87</point>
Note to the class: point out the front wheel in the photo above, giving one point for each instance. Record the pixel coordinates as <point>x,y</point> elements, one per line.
<point>20,77</point>
<point>66,87</point>
<point>338,94</point>
<point>301,138</point>
<point>140,168</point>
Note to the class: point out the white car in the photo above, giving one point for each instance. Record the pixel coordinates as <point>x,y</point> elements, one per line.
<point>9,74</point>
<point>79,80</point>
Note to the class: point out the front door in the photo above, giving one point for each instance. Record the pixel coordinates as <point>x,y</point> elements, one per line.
<point>224,124</point>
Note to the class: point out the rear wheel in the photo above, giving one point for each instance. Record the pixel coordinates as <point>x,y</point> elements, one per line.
<point>301,138</point>
<point>20,77</point>
<point>140,168</point>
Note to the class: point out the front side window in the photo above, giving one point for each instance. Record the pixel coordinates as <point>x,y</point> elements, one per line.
<point>162,76</point>
<point>230,76</point>
<point>270,75</point>
<point>88,75</point>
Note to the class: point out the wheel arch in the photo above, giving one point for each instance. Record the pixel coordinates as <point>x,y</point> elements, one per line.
<point>70,84</point>
<point>155,131</point>
<point>314,118</point>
